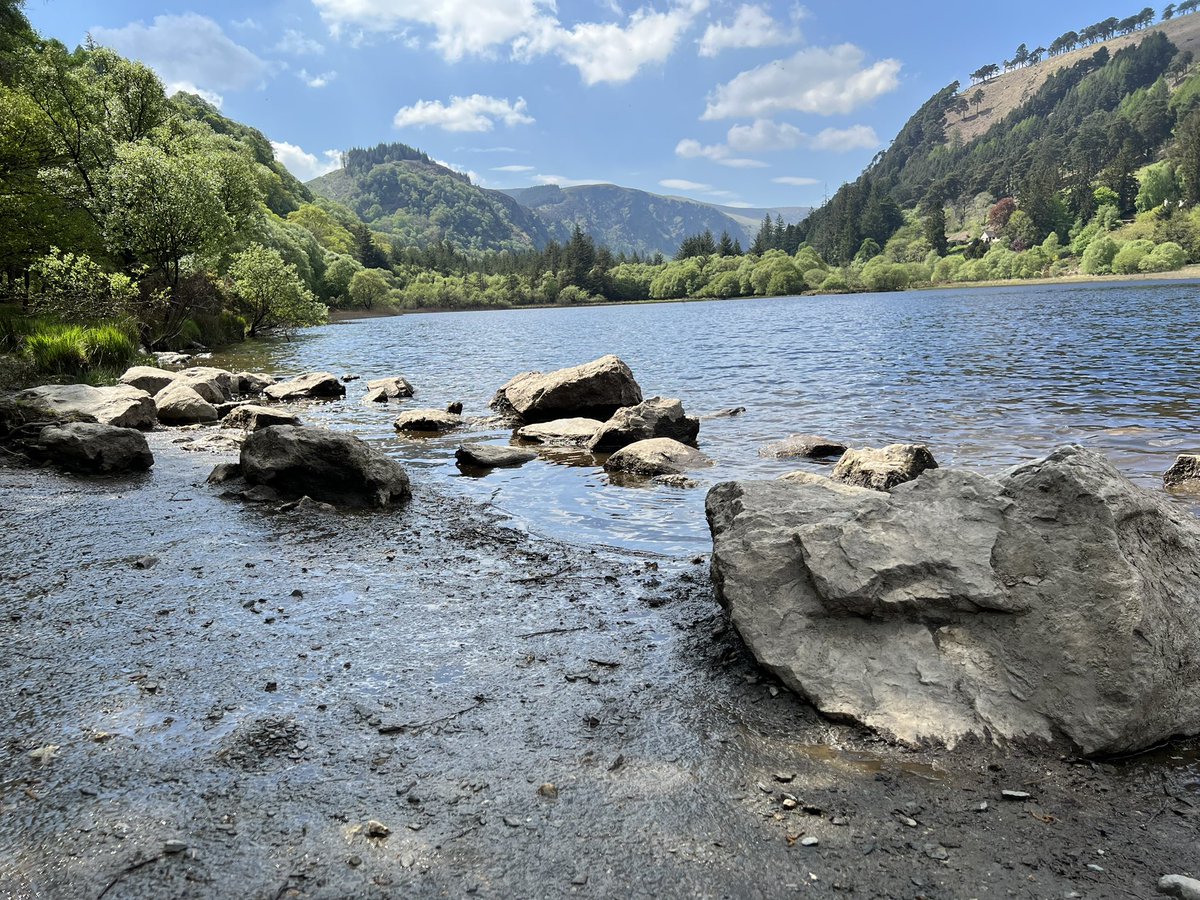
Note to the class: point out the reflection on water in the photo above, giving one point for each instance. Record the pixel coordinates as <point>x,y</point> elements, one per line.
<point>988,378</point>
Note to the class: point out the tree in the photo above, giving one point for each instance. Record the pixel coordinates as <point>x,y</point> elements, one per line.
<point>1168,12</point>
<point>935,228</point>
<point>368,287</point>
<point>270,293</point>
<point>977,98</point>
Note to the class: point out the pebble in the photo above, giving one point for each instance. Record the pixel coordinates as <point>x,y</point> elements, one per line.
<point>1179,886</point>
<point>789,803</point>
<point>1095,868</point>
<point>785,777</point>
<point>905,820</point>
<point>548,790</point>
<point>809,841</point>
<point>377,829</point>
<point>354,861</point>
<point>579,879</point>
<point>174,845</point>
<point>1015,795</point>
<point>936,851</point>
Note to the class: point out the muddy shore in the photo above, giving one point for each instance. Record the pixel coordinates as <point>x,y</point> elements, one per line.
<point>234,695</point>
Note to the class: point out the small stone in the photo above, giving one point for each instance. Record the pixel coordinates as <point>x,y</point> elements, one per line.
<point>908,822</point>
<point>789,803</point>
<point>1015,795</point>
<point>809,841</point>
<point>579,879</point>
<point>513,822</point>
<point>174,845</point>
<point>548,790</point>
<point>784,777</point>
<point>271,687</point>
<point>354,861</point>
<point>144,562</point>
<point>377,829</point>
<point>982,807</point>
<point>840,821</point>
<point>1095,868</point>
<point>936,851</point>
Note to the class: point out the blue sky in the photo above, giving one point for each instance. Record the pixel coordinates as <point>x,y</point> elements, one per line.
<point>758,104</point>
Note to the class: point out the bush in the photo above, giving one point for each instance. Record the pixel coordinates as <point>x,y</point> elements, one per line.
<point>1130,256</point>
<point>1164,258</point>
<point>1098,258</point>
<point>834,282</point>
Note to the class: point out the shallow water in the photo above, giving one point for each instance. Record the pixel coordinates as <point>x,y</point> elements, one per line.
<point>987,377</point>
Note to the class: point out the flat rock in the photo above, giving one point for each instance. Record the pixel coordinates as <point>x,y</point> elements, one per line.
<point>657,417</point>
<point>329,466</point>
<point>568,432</point>
<point>147,378</point>
<point>253,383</point>
<point>882,469</point>
<point>595,390</point>
<point>251,417</point>
<point>657,456</point>
<point>427,421</point>
<point>381,390</point>
<point>491,456</point>
<point>93,449</point>
<point>808,446</point>
<point>728,413</point>
<point>214,385</point>
<point>179,403</point>
<point>123,406</point>
<point>1057,605</point>
<point>311,386</point>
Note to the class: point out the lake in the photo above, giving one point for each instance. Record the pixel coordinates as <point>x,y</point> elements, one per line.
<point>987,377</point>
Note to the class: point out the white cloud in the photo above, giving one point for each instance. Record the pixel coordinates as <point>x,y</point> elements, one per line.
<point>187,50</point>
<point>843,140</point>
<point>690,148</point>
<point>306,166</point>
<point>796,181</point>
<point>682,184</point>
<point>820,80</point>
<point>173,87</point>
<point>752,26</point>
<point>513,169</point>
<point>297,43</point>
<point>316,81</point>
<point>474,113</point>
<point>764,135</point>
<point>247,24</point>
<point>738,163</point>
<point>562,181</point>
<point>460,169</point>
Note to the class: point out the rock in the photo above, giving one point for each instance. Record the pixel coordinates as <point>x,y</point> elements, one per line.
<point>168,358</point>
<point>809,841</point>
<point>349,377</point>
<point>214,385</point>
<point>253,382</point>
<point>1014,795</point>
<point>1184,474</point>
<point>212,442</point>
<point>93,449</point>
<point>251,417</point>
<point>224,409</point>
<point>548,790</point>
<point>658,456</point>
<point>802,477</point>
<point>312,386</point>
<point>809,446</point>
<point>429,421</point>
<point>677,481</point>
<point>1056,605</point>
<point>181,404</point>
<point>883,469</point>
<point>596,390</point>
<point>329,466</point>
<point>123,406</point>
<point>1179,886</point>
<point>224,472</point>
<point>455,407</point>
<point>147,378</point>
<point>307,505</point>
<point>174,845</point>
<point>658,417</point>
<point>489,456</point>
<point>381,390</point>
<point>377,829</point>
<point>727,413</point>
<point>560,432</point>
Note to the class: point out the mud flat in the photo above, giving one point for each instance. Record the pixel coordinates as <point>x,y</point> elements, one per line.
<point>221,701</point>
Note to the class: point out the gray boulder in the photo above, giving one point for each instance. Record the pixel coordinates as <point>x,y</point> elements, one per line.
<point>381,390</point>
<point>92,449</point>
<point>181,404</point>
<point>1057,605</point>
<point>329,466</point>
<point>657,417</point>
<point>252,383</point>
<point>1179,886</point>
<point>251,417</point>
<point>657,456</point>
<point>596,390</point>
<point>1184,474</point>
<point>169,358</point>
<point>214,385</point>
<point>883,469</point>
<point>147,378</point>
<point>576,432</point>
<point>122,405</point>
<point>490,456</point>
<point>427,421</point>
<point>808,446</point>
<point>312,386</point>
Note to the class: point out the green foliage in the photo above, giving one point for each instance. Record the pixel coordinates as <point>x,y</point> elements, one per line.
<point>74,288</point>
<point>270,292</point>
<point>1157,186</point>
<point>368,287</point>
<point>1129,256</point>
<point>57,349</point>
<point>1164,258</point>
<point>1098,258</point>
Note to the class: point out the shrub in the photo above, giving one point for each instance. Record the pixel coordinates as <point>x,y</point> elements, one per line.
<point>1097,259</point>
<point>834,282</point>
<point>1164,258</point>
<point>1130,256</point>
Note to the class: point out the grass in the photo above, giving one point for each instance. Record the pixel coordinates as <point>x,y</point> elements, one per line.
<point>53,348</point>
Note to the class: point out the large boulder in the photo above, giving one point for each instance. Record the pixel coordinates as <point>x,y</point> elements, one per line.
<point>381,390</point>
<point>330,466</point>
<point>657,456</point>
<point>252,383</point>
<point>427,421</point>
<point>806,446</point>
<point>657,417</point>
<point>251,417</point>
<point>214,385</point>
<point>1056,605</point>
<point>148,378</point>
<point>92,449</point>
<point>561,432</point>
<point>180,403</point>
<point>121,405</point>
<point>596,390</point>
<point>312,386</point>
<point>490,456</point>
<point>883,469</point>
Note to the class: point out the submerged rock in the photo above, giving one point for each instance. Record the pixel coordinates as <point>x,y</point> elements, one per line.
<point>179,403</point>
<point>381,390</point>
<point>329,466</point>
<point>1059,604</point>
<point>658,456</point>
<point>883,469</point>
<point>490,456</point>
<point>561,432</point>
<point>148,378</point>
<point>93,449</point>
<point>123,406</point>
<point>251,417</point>
<point>311,386</point>
<point>596,390</point>
<point>808,446</point>
<point>657,417</point>
<point>728,413</point>
<point>427,421</point>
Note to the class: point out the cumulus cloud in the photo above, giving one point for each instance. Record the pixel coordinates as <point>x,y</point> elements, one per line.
<point>682,184</point>
<point>189,50</point>
<point>689,148</point>
<point>752,26</point>
<point>764,135</point>
<point>474,113</point>
<point>316,81</point>
<point>819,80</point>
<point>843,140</point>
<point>297,43</point>
<point>563,181</point>
<point>513,169</point>
<point>306,166</point>
<point>796,180</point>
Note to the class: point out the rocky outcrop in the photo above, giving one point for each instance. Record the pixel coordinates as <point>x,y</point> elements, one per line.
<point>1058,604</point>
<point>92,449</point>
<point>181,404</point>
<point>122,405</point>
<point>658,456</point>
<point>427,421</point>
<point>594,390</point>
<point>806,446</point>
<point>329,466</point>
<point>490,456</point>
<point>883,469</point>
<point>576,432</point>
<point>312,386</point>
<point>251,417</point>
<point>657,417</point>
<point>147,378</point>
<point>381,390</point>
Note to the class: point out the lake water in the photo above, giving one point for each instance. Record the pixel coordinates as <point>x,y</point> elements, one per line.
<point>987,377</point>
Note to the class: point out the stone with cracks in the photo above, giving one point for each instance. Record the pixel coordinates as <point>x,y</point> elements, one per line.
<point>330,466</point>
<point>92,449</point>
<point>657,417</point>
<point>312,386</point>
<point>658,456</point>
<point>251,417</point>
<point>181,404</point>
<point>595,390</point>
<point>1057,605</point>
<point>381,390</point>
<point>214,385</point>
<point>148,378</point>
<point>576,432</point>
<point>1184,474</point>
<point>490,456</point>
<point>883,469</point>
<point>808,446</point>
<point>427,421</point>
<point>122,405</point>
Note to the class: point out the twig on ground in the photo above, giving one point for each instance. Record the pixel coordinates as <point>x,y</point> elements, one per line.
<point>128,870</point>
<point>534,634</point>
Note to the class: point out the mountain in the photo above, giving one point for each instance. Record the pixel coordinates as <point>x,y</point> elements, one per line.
<point>401,191</point>
<point>628,220</point>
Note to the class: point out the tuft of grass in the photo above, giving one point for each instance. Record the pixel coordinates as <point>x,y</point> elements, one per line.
<point>56,349</point>
<point>109,347</point>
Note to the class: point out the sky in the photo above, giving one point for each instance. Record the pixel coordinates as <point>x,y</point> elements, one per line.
<point>759,104</point>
